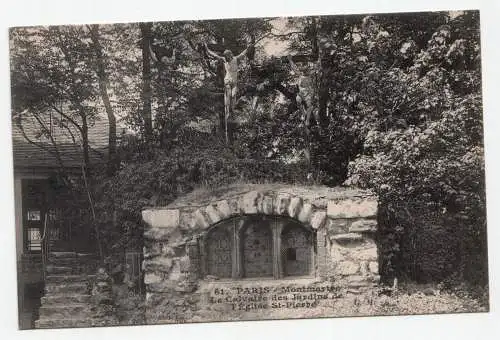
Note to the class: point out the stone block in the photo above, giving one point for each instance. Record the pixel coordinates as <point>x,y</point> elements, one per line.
<point>373,267</point>
<point>159,263</point>
<point>160,287</point>
<point>199,220</point>
<point>234,206</point>
<point>175,272</point>
<point>363,268</point>
<point>337,253</point>
<point>267,205</point>
<point>250,202</point>
<point>350,237</point>
<point>281,205</point>
<point>357,281</point>
<point>352,208</point>
<point>318,219</point>
<point>212,214</point>
<point>156,248</point>
<point>162,218</point>
<point>158,234</point>
<point>305,213</point>
<point>365,254</point>
<point>338,226</point>
<point>346,268</point>
<point>185,287</point>
<point>320,203</point>
<point>224,209</point>
<point>363,226</point>
<point>150,278</point>
<point>295,206</point>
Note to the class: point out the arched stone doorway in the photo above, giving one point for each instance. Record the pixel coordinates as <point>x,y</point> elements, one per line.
<point>258,246</point>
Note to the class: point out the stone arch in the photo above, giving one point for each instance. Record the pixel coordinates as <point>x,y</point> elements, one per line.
<point>312,212</point>
<point>336,220</point>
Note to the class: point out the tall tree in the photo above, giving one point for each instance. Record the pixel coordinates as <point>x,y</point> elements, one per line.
<point>103,89</point>
<point>146,81</point>
<point>51,73</point>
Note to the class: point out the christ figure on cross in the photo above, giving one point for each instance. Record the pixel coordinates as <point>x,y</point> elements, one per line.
<point>306,97</point>
<point>230,79</point>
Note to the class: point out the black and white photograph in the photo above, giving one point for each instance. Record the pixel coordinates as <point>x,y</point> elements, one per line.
<point>246,169</point>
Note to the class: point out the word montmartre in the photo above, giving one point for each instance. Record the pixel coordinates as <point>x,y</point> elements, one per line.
<point>321,289</point>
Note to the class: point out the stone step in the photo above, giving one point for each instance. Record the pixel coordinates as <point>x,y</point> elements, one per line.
<point>68,278</point>
<point>84,264</point>
<point>71,269</point>
<point>62,254</point>
<point>87,256</point>
<point>70,287</point>
<point>58,299</point>
<point>73,311</point>
<point>53,269</point>
<point>77,258</point>
<point>63,260</point>
<point>63,323</point>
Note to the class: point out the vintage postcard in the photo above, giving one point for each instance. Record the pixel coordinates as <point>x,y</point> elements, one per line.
<point>248,169</point>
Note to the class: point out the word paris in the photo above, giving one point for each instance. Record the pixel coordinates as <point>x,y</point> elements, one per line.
<point>283,290</point>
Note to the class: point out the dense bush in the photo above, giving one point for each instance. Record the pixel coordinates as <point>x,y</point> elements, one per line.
<point>426,160</point>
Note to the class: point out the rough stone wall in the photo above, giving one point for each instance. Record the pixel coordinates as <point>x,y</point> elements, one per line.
<point>344,222</point>
<point>103,308</point>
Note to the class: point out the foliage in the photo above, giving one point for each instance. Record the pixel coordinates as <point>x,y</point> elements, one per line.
<point>427,150</point>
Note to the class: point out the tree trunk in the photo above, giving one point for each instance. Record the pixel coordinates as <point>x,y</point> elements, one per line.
<point>323,74</point>
<point>146,81</point>
<point>85,144</point>
<point>103,81</point>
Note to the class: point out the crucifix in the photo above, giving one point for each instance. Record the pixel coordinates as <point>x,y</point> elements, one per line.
<point>307,96</point>
<point>230,81</point>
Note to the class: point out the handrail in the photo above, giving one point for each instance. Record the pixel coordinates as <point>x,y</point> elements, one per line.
<point>44,226</point>
<point>45,247</point>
